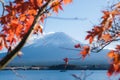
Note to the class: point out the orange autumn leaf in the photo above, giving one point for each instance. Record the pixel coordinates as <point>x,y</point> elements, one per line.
<point>22,17</point>
<point>28,22</point>
<point>116,67</point>
<point>56,6</point>
<point>39,3</point>
<point>111,54</point>
<point>90,39</point>
<point>42,18</point>
<point>85,51</point>
<point>95,32</point>
<point>36,3</point>
<point>31,12</point>
<point>106,37</point>
<point>113,69</point>
<point>110,70</point>
<point>67,1</point>
<point>106,14</point>
<point>116,59</point>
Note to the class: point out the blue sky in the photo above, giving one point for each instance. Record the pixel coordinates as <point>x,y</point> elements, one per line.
<point>89,9</point>
<point>90,12</point>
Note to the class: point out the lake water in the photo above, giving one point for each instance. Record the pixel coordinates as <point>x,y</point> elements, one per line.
<point>55,75</point>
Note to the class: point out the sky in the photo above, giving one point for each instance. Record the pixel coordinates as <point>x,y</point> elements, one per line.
<point>89,12</point>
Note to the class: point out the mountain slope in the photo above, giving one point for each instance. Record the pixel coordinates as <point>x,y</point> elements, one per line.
<point>51,49</point>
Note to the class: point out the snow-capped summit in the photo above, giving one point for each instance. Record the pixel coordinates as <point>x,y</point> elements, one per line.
<point>58,39</point>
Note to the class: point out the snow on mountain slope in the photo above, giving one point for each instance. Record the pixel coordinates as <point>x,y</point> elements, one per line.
<point>54,39</point>
<point>51,49</point>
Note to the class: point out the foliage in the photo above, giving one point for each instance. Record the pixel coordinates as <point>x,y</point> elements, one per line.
<point>105,33</point>
<point>21,18</point>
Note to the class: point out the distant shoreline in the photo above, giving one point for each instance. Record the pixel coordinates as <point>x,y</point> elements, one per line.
<point>59,67</point>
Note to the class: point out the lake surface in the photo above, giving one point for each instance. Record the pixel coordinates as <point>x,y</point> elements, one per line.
<point>55,75</point>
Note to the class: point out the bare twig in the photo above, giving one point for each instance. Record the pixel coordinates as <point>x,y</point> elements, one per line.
<point>103,46</point>
<point>17,74</point>
<point>83,76</point>
<point>2,2</point>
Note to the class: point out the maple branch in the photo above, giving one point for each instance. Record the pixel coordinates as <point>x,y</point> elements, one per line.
<point>115,29</point>
<point>14,52</point>
<point>103,46</point>
<point>2,2</point>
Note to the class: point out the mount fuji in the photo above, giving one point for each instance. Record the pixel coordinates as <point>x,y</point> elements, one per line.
<point>50,49</point>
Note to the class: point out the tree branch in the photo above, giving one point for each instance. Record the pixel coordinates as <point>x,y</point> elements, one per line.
<point>96,51</point>
<point>13,53</point>
<point>2,2</point>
